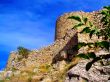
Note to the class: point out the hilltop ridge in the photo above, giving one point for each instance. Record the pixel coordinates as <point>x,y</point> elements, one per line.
<point>50,64</point>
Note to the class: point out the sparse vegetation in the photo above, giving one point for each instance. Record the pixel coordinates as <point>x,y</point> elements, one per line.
<point>2,81</point>
<point>91,29</point>
<point>30,79</point>
<point>31,70</point>
<point>23,51</point>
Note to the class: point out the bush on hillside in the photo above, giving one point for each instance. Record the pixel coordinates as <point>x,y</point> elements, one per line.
<point>23,51</point>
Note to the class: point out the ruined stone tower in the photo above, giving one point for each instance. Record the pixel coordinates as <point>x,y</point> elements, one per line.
<point>63,23</point>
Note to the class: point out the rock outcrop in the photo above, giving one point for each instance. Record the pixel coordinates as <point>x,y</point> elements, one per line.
<point>50,64</point>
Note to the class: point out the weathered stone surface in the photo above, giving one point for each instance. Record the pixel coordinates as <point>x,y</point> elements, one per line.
<point>48,64</point>
<point>63,23</point>
<point>8,74</point>
<point>36,78</point>
<point>97,72</point>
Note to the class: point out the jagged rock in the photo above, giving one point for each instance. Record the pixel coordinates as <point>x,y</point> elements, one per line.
<point>75,79</point>
<point>17,73</point>
<point>36,78</point>
<point>97,72</point>
<point>47,79</point>
<point>60,65</point>
<point>8,74</point>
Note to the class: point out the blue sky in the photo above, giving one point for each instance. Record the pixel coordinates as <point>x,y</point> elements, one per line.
<point>31,23</point>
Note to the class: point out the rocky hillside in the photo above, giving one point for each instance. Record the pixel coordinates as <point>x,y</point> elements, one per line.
<point>51,63</point>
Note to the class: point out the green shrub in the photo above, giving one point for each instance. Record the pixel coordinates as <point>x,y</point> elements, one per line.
<point>93,30</point>
<point>23,51</point>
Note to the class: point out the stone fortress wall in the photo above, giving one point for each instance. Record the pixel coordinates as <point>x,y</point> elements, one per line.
<point>63,23</point>
<point>65,38</point>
